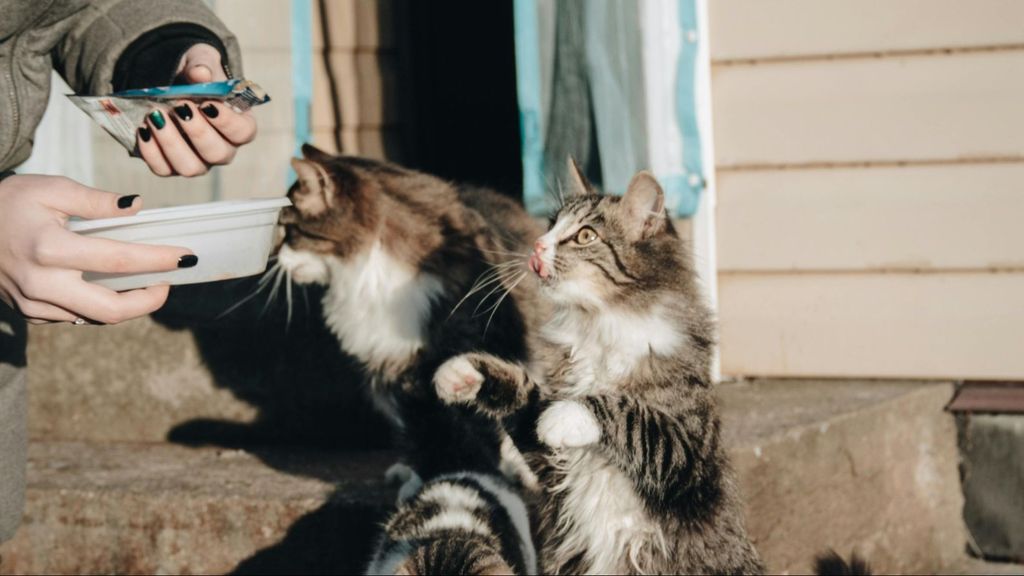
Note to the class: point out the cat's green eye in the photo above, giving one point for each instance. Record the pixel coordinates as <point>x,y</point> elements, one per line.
<point>585,236</point>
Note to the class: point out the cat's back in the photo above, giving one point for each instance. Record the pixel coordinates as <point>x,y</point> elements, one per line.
<point>458,523</point>
<point>504,216</point>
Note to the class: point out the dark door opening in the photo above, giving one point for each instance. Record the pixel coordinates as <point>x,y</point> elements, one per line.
<point>459,57</point>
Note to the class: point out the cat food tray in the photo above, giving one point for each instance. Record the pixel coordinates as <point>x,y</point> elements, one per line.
<point>232,238</point>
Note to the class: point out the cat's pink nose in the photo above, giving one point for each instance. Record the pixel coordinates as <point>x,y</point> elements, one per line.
<point>537,260</point>
<point>537,265</point>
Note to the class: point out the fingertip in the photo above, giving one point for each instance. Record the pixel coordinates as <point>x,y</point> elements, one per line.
<point>199,74</point>
<point>237,127</point>
<point>159,294</point>
<point>210,109</point>
<point>130,203</point>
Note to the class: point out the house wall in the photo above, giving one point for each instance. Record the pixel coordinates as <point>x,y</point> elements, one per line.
<point>870,171</point>
<point>364,60</point>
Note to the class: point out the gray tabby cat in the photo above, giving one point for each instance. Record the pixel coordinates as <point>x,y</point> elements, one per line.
<point>617,413</point>
<point>459,523</point>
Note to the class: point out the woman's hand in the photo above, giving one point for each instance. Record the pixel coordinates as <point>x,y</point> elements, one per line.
<point>194,137</point>
<point>41,262</point>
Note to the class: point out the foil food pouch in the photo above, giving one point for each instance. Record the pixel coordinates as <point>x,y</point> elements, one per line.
<point>122,113</point>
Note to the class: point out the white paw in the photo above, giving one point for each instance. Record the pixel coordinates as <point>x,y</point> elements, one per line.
<point>457,381</point>
<point>568,424</point>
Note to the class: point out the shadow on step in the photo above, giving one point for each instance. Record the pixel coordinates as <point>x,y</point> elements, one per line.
<point>308,393</point>
<point>337,538</point>
<point>287,365</point>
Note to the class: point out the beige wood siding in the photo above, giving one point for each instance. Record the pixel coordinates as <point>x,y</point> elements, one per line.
<point>960,217</point>
<point>773,29</point>
<point>364,61</point>
<point>883,325</point>
<point>906,109</point>
<point>870,171</point>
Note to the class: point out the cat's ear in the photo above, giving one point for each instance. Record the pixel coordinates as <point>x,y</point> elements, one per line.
<point>315,191</point>
<point>578,183</point>
<point>310,152</point>
<point>643,206</point>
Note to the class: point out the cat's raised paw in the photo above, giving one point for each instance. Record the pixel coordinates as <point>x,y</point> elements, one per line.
<point>457,381</point>
<point>568,424</point>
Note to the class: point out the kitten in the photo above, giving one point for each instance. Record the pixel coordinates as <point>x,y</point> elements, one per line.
<point>626,438</point>
<point>460,523</point>
<point>415,273</point>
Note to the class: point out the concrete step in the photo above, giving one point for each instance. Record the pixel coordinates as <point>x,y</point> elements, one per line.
<point>143,508</point>
<point>254,375</point>
<point>870,466</point>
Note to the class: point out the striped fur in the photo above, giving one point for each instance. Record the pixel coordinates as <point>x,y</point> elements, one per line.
<point>461,523</point>
<point>616,412</point>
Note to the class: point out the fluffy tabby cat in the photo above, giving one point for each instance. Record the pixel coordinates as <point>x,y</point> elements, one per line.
<point>414,275</point>
<point>625,438</point>
<point>457,523</point>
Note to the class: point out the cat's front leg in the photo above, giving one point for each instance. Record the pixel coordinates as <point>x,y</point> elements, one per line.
<point>568,424</point>
<point>666,453</point>
<point>495,386</point>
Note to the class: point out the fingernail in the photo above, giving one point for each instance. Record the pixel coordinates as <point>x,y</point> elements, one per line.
<point>145,134</point>
<point>125,202</point>
<point>188,261</point>
<point>210,110</point>
<point>157,118</point>
<point>184,112</point>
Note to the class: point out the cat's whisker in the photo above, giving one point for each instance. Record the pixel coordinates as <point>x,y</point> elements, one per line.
<point>505,252</point>
<point>288,298</point>
<point>479,286</point>
<point>496,289</point>
<point>494,309</point>
<point>259,288</point>
<point>486,279</point>
<point>278,276</point>
<point>238,304</point>
<point>269,275</point>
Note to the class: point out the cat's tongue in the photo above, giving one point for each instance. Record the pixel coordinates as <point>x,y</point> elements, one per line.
<point>537,265</point>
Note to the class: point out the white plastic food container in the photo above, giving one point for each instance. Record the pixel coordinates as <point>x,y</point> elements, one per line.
<point>232,239</point>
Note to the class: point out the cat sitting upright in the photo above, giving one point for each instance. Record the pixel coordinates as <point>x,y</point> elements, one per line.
<point>415,273</point>
<point>625,439</point>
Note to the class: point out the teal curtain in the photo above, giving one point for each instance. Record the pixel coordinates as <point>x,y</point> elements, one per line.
<point>582,92</point>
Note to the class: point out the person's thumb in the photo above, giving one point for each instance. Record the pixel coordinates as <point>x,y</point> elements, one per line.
<point>199,74</point>
<point>200,64</point>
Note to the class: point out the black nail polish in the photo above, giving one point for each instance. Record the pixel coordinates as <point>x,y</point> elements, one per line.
<point>125,202</point>
<point>145,134</point>
<point>188,261</point>
<point>210,110</point>
<point>183,112</point>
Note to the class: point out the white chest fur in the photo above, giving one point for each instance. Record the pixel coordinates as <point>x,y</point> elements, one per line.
<point>607,346</point>
<point>602,516</point>
<point>378,307</point>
